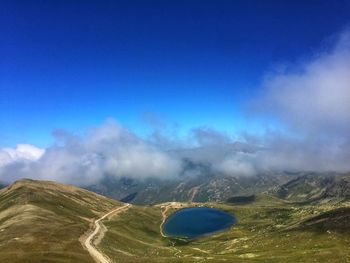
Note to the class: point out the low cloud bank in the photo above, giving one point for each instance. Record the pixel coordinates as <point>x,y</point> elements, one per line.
<point>106,150</point>
<point>310,100</point>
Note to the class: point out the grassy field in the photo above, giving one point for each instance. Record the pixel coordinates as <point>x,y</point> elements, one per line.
<point>268,230</point>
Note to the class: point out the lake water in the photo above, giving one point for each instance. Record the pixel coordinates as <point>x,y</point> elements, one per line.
<point>197,221</point>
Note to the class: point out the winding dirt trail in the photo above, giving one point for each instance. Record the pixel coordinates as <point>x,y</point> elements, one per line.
<point>89,242</point>
<point>165,207</point>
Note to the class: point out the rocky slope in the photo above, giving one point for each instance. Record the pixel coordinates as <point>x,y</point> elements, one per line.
<point>315,187</point>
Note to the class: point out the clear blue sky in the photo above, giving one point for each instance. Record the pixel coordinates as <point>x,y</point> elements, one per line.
<point>71,64</point>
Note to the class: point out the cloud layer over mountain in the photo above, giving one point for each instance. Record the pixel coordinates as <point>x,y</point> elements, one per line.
<point>106,150</point>
<point>310,100</point>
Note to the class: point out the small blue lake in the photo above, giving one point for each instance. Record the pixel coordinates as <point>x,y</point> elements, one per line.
<point>197,221</point>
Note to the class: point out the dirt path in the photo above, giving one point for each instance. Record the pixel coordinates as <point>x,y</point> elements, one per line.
<point>165,207</point>
<point>89,242</point>
<point>163,220</point>
<point>194,192</point>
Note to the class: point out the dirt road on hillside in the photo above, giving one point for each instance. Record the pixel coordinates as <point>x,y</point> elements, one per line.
<point>89,242</point>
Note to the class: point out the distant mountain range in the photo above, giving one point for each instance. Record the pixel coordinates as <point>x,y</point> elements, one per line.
<point>201,184</point>
<point>204,185</point>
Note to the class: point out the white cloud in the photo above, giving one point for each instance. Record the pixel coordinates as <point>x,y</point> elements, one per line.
<point>239,164</point>
<point>106,150</point>
<point>206,136</point>
<point>312,100</point>
<point>314,97</point>
<point>22,152</point>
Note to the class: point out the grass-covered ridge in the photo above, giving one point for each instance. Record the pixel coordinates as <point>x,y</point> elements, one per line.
<point>42,221</point>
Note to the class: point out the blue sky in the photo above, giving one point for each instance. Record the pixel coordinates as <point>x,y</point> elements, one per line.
<point>72,64</point>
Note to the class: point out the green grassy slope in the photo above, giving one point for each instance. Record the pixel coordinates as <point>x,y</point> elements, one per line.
<point>41,221</point>
<point>268,230</point>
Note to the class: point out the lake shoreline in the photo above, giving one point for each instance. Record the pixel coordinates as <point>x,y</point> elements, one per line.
<point>197,222</point>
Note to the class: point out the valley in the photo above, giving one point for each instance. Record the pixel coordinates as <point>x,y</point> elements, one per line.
<point>268,230</point>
